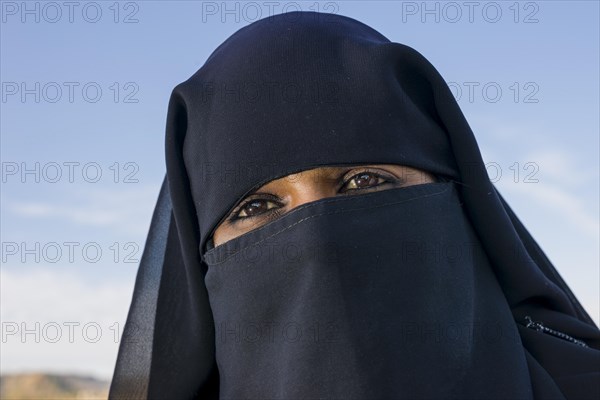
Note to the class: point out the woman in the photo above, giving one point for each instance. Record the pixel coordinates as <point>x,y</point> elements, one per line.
<point>327,229</point>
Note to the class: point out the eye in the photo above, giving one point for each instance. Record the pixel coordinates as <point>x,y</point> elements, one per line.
<point>269,207</point>
<point>363,180</point>
<point>254,208</point>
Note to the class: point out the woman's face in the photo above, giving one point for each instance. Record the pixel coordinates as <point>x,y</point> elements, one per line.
<point>280,196</point>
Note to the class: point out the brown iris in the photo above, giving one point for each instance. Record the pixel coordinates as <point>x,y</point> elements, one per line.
<point>256,207</point>
<point>363,180</point>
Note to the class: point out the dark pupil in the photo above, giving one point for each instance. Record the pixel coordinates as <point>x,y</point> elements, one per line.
<point>365,180</point>
<point>256,207</point>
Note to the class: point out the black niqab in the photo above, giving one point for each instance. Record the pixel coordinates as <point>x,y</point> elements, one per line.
<point>429,291</point>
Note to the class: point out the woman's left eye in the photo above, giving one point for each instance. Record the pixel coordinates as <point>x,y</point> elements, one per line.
<point>364,180</point>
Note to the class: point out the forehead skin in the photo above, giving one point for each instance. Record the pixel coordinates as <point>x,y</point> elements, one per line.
<point>310,185</point>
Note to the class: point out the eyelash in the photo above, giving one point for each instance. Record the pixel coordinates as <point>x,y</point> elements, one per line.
<point>275,212</point>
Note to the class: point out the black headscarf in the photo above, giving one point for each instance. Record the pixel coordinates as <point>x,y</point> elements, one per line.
<point>429,291</point>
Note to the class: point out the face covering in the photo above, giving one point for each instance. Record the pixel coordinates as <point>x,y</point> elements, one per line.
<point>428,291</point>
<point>380,295</point>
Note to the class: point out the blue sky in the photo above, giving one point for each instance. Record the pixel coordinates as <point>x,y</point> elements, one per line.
<point>533,68</point>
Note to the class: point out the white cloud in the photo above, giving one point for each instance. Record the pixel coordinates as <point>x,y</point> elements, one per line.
<point>73,325</point>
<point>560,166</point>
<point>562,180</point>
<point>563,203</point>
<point>123,210</point>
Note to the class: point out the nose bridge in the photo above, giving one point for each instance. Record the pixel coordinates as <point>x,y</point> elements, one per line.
<point>310,195</point>
<point>310,187</point>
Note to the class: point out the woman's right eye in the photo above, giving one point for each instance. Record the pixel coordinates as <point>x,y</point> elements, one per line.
<point>255,207</point>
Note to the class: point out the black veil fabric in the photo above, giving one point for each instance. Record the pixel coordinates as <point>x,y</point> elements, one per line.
<point>302,90</point>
